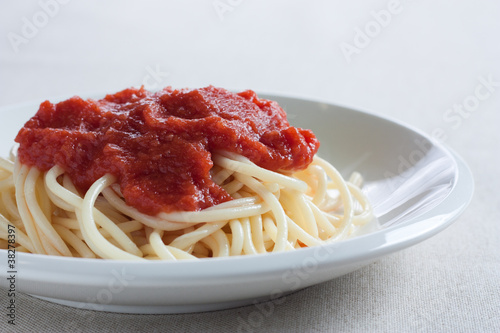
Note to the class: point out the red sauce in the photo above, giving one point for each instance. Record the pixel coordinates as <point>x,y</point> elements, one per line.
<point>159,145</point>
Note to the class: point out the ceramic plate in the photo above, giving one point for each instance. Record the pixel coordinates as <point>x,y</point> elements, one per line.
<point>416,185</point>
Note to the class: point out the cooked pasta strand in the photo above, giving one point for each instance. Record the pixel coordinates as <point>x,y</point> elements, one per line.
<point>270,212</point>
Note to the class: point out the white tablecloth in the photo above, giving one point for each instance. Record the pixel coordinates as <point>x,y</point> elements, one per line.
<point>418,61</point>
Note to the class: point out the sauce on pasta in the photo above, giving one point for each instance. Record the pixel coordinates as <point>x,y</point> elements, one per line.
<point>159,146</point>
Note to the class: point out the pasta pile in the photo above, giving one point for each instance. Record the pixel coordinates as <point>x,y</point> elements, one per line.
<point>270,212</point>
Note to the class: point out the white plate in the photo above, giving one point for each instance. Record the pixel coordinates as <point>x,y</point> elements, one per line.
<point>417,186</point>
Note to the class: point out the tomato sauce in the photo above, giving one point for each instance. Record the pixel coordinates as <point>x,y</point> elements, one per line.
<point>159,145</point>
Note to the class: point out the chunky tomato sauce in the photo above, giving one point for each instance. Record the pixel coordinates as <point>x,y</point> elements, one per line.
<point>159,145</point>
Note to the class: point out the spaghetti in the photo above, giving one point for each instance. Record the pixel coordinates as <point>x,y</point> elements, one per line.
<point>271,212</point>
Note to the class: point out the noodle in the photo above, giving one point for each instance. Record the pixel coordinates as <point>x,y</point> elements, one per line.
<point>270,212</point>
